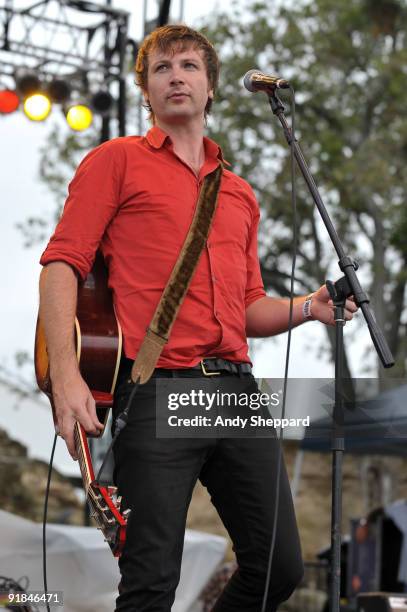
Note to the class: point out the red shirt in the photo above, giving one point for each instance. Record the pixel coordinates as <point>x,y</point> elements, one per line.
<point>135,198</point>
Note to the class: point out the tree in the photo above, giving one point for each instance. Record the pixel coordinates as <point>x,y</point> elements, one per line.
<point>60,155</point>
<point>347,62</point>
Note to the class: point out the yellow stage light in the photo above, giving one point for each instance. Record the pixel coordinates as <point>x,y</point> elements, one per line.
<point>79,117</point>
<point>37,107</point>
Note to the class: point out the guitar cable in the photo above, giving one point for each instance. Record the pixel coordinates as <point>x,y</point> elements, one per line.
<point>44,522</point>
<point>119,424</point>
<point>280,437</point>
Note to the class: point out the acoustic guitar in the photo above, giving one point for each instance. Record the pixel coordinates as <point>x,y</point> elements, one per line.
<point>98,342</point>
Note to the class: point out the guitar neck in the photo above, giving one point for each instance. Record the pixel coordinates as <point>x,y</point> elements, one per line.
<point>84,456</point>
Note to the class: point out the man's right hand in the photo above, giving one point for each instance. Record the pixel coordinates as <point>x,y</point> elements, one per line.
<point>73,401</point>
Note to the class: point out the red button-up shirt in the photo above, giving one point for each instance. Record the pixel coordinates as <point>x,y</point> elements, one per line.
<point>135,198</point>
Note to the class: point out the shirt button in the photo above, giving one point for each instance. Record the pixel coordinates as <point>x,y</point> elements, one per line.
<point>214,278</point>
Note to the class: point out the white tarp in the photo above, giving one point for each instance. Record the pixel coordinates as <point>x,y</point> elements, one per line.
<point>80,563</point>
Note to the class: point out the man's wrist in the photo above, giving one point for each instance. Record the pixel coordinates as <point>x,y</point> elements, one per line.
<point>64,368</point>
<point>307,308</point>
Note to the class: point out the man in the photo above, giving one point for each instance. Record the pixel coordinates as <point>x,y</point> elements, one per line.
<point>135,198</point>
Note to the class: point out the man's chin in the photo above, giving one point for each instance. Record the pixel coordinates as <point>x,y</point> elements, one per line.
<point>180,116</point>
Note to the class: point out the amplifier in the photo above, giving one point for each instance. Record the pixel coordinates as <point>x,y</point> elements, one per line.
<point>381,602</point>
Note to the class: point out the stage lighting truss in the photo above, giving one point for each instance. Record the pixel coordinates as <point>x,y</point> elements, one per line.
<point>44,51</point>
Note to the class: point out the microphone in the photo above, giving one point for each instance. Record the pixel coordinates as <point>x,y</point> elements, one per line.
<point>254,80</point>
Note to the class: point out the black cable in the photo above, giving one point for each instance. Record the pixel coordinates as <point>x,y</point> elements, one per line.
<point>119,425</point>
<point>44,522</point>
<point>15,587</point>
<point>287,356</point>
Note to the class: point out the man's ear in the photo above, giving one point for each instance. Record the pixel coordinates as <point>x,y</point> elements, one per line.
<point>210,94</point>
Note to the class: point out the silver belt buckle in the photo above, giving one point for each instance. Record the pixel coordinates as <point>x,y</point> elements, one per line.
<point>205,371</point>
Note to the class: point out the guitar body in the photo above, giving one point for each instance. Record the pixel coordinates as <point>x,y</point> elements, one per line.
<point>98,341</point>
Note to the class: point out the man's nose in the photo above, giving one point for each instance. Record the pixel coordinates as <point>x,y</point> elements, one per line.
<point>177,76</point>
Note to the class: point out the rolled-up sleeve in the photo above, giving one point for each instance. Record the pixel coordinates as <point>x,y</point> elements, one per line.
<point>93,200</point>
<point>254,286</point>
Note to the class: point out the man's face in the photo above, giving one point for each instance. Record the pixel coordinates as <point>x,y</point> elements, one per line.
<point>177,86</point>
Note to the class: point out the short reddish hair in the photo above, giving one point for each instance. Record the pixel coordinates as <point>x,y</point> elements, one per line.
<point>177,38</point>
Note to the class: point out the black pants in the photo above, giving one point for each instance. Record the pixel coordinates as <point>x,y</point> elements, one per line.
<point>156,478</point>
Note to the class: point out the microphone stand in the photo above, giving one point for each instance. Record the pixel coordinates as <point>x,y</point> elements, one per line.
<point>347,285</point>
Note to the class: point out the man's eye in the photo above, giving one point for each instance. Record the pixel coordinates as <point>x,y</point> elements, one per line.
<point>190,65</point>
<point>161,67</point>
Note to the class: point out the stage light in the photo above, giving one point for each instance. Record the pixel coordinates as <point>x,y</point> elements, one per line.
<point>102,102</point>
<point>79,117</point>
<point>59,91</point>
<point>37,107</point>
<point>9,101</point>
<point>27,83</point>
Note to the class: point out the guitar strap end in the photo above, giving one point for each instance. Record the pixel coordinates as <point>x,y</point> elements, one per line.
<point>147,357</point>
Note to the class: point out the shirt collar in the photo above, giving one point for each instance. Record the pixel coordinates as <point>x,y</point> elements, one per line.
<point>213,150</point>
<point>156,137</point>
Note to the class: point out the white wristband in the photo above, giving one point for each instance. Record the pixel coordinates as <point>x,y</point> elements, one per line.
<point>306,308</point>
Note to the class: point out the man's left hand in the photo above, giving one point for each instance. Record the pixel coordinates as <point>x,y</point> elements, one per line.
<point>322,308</point>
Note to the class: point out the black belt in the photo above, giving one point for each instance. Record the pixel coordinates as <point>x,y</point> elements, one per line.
<point>215,366</point>
<point>207,367</point>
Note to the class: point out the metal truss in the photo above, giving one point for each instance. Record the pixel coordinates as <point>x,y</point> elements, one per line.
<point>45,37</point>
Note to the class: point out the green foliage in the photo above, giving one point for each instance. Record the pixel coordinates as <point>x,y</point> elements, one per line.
<point>346,61</point>
<point>59,157</point>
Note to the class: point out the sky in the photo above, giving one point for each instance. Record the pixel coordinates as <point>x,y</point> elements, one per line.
<point>22,195</point>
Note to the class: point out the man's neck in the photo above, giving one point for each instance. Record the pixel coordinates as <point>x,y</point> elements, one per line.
<point>188,143</point>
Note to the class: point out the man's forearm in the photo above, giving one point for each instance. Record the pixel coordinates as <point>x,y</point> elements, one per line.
<point>58,297</point>
<point>269,316</point>
<point>72,398</point>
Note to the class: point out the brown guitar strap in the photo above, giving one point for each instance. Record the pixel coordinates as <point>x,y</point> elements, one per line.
<point>159,330</point>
